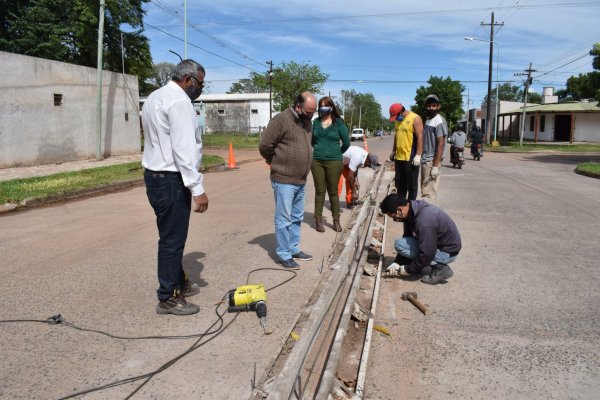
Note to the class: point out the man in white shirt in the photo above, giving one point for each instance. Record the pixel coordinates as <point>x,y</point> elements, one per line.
<point>172,157</point>
<point>354,158</point>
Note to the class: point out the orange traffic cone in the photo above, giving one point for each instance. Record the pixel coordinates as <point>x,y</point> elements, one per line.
<point>231,164</point>
<point>365,142</point>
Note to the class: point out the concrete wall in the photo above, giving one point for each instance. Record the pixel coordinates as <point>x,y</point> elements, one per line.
<point>232,113</point>
<point>587,128</point>
<point>33,130</point>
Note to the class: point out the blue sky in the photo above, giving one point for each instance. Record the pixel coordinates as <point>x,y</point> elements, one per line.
<point>388,48</point>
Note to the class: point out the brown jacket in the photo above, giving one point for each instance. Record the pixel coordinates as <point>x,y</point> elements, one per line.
<point>286,146</point>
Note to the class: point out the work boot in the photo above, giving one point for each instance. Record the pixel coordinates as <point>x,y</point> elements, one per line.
<point>176,305</point>
<point>319,224</point>
<point>336,225</point>
<point>439,273</point>
<point>190,289</point>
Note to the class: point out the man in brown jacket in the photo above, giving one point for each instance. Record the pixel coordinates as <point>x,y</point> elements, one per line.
<point>286,147</point>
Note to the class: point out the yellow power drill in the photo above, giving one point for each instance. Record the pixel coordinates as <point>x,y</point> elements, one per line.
<point>250,298</point>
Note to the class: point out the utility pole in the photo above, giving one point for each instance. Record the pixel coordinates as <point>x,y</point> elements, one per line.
<point>122,54</point>
<point>270,62</point>
<point>488,110</point>
<point>99,83</point>
<point>468,113</point>
<point>528,82</point>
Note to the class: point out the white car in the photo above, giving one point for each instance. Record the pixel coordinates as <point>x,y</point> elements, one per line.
<point>357,134</point>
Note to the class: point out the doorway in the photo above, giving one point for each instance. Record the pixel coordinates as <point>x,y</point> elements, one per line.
<point>562,128</point>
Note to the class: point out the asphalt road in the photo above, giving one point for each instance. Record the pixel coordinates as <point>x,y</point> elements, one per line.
<point>94,262</point>
<point>520,319</point>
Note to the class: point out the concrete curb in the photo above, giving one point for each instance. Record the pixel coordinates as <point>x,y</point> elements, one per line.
<point>34,202</point>
<point>587,173</point>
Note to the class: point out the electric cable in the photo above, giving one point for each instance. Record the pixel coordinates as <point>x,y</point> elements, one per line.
<point>200,48</point>
<point>197,344</point>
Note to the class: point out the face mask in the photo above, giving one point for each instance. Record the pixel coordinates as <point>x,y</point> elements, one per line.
<point>400,118</point>
<point>323,111</point>
<point>431,113</point>
<point>305,117</point>
<point>193,92</point>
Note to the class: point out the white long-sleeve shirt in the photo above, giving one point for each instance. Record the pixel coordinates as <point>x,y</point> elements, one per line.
<point>172,140</point>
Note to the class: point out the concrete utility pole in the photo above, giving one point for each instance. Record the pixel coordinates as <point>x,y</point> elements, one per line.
<point>185,29</point>
<point>528,82</point>
<point>99,83</point>
<point>270,62</point>
<point>488,110</point>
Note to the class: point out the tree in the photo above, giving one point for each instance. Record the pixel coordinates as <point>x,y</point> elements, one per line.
<point>361,110</point>
<point>288,80</point>
<point>162,73</point>
<point>586,86</point>
<point>67,30</point>
<point>509,92</point>
<point>450,94</point>
<point>249,85</point>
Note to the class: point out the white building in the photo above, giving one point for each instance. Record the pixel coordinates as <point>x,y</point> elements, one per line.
<point>561,122</point>
<point>233,113</point>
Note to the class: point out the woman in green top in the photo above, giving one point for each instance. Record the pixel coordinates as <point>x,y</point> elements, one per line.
<point>328,131</point>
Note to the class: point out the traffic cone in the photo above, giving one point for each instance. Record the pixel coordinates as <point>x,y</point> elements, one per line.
<point>365,142</point>
<point>231,164</point>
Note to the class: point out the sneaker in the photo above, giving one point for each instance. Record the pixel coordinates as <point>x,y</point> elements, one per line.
<point>302,256</point>
<point>176,305</point>
<point>190,289</point>
<point>290,264</point>
<point>439,273</point>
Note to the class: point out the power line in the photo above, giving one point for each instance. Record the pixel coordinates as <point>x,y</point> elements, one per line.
<point>427,12</point>
<point>200,48</point>
<point>570,62</point>
<point>221,43</point>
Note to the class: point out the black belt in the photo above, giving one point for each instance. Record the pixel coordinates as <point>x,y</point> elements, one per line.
<point>162,173</point>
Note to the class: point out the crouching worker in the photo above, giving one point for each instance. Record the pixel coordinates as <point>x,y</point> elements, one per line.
<point>430,241</point>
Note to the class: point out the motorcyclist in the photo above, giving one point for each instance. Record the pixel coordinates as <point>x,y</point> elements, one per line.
<point>477,138</point>
<point>457,141</point>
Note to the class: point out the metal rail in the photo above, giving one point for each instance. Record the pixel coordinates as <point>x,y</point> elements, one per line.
<point>318,344</point>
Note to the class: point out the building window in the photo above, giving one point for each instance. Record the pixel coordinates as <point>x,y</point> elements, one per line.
<point>58,99</point>
<point>254,111</point>
<point>221,112</point>
<point>531,123</point>
<point>542,123</point>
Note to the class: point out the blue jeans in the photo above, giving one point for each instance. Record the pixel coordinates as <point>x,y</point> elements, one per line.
<point>408,247</point>
<point>172,203</point>
<point>289,213</point>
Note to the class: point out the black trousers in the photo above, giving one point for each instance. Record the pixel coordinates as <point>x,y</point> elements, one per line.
<point>406,179</point>
<point>172,204</point>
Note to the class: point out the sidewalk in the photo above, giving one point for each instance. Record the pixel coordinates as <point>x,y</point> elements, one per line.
<point>6,174</point>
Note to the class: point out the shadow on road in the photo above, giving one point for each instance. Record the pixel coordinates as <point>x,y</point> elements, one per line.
<point>193,267</point>
<point>267,242</point>
<point>561,158</point>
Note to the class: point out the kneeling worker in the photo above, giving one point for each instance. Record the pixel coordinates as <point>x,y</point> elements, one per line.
<point>354,158</point>
<point>430,241</point>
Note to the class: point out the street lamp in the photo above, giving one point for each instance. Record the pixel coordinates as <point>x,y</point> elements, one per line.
<point>492,43</point>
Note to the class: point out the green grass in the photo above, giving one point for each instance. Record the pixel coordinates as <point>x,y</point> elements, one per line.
<point>238,140</point>
<point>15,190</point>
<point>529,147</point>
<point>589,167</point>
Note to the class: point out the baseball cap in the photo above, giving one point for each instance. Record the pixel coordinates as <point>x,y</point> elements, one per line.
<point>374,160</point>
<point>432,98</point>
<point>395,109</point>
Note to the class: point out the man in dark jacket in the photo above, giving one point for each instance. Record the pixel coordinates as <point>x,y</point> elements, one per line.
<point>286,146</point>
<point>430,241</point>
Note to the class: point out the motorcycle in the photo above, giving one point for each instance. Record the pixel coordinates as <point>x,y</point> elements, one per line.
<point>476,151</point>
<point>457,156</point>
